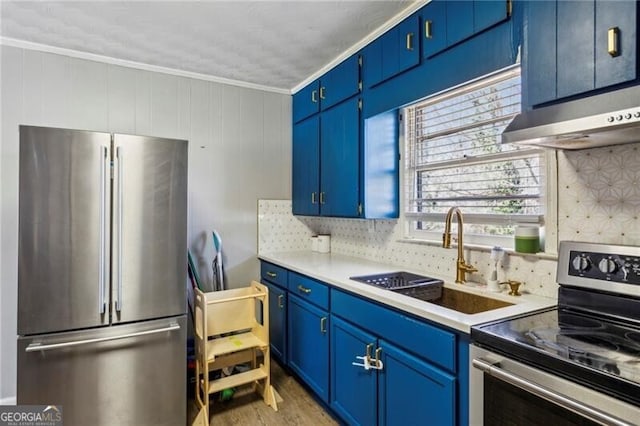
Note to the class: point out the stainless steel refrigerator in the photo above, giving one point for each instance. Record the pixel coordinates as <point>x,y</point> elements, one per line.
<point>101,276</point>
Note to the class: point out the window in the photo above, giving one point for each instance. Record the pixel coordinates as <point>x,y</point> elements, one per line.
<point>454,157</point>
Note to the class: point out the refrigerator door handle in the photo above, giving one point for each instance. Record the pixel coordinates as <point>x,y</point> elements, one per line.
<point>120,225</point>
<point>34,347</point>
<point>103,224</point>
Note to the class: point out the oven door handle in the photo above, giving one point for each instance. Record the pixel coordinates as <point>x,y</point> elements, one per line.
<point>561,400</point>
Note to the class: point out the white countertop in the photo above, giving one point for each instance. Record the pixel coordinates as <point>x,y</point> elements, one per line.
<point>335,269</point>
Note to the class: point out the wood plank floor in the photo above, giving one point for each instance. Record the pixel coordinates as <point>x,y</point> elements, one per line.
<point>248,409</point>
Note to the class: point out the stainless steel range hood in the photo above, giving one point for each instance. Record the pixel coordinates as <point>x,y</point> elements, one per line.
<point>606,119</point>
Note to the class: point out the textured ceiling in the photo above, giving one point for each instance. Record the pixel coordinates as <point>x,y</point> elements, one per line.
<point>275,44</point>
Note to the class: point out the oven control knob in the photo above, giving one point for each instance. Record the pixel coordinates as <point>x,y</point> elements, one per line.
<point>607,266</point>
<point>581,263</point>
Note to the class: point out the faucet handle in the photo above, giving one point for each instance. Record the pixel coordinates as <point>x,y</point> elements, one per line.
<point>469,268</point>
<point>514,286</point>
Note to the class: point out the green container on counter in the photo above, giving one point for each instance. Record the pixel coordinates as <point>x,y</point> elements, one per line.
<point>527,239</point>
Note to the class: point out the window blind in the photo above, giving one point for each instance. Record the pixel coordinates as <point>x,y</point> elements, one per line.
<point>454,157</point>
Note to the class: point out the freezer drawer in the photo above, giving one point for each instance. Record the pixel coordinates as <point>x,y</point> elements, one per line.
<point>131,374</point>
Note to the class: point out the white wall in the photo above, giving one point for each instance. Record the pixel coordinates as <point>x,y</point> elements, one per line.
<point>239,151</point>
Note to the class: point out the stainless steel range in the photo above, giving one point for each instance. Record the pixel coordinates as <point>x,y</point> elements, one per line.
<point>578,363</point>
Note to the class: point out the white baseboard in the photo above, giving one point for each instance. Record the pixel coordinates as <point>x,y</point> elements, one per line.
<point>8,401</point>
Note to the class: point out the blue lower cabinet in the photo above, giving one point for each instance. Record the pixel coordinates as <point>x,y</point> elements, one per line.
<point>405,390</point>
<point>308,328</point>
<point>278,322</point>
<point>413,392</point>
<point>354,390</point>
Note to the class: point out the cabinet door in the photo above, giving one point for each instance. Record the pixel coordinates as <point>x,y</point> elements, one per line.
<point>408,43</point>
<point>487,13</point>
<point>434,16</point>
<point>372,63</point>
<point>340,83</point>
<point>540,52</point>
<point>394,52</point>
<point>305,177</point>
<point>621,66</point>
<point>339,174</point>
<point>278,321</point>
<point>306,102</point>
<point>575,47</point>
<point>412,391</point>
<point>309,345</point>
<point>354,390</point>
<point>459,21</point>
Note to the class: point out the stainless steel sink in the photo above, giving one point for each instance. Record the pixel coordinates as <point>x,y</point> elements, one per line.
<point>433,291</point>
<point>467,303</point>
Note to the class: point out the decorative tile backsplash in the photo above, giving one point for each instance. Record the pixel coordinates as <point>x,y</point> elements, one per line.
<point>598,201</point>
<point>599,195</point>
<point>381,240</point>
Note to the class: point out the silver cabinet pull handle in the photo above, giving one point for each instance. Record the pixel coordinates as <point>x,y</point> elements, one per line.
<point>305,290</point>
<point>120,225</point>
<point>103,224</point>
<point>557,398</point>
<point>280,301</point>
<point>34,347</point>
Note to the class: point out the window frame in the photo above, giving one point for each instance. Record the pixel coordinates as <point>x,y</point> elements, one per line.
<point>547,220</point>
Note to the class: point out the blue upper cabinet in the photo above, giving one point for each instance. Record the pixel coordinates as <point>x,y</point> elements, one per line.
<point>616,31</point>
<point>434,16</point>
<point>306,102</point>
<point>487,13</point>
<point>306,167</point>
<point>340,83</point>
<point>583,46</point>
<point>540,59</point>
<point>459,21</point>
<point>447,23</point>
<point>575,44</point>
<point>395,51</point>
<point>340,153</point>
<point>325,157</point>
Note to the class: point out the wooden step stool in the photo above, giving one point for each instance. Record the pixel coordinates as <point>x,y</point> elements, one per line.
<point>229,331</point>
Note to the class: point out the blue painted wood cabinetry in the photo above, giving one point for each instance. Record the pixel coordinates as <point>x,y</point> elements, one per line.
<point>575,47</point>
<point>339,160</point>
<point>424,367</point>
<point>354,390</point>
<point>308,330</point>
<point>412,391</point>
<point>406,390</point>
<point>395,51</point>
<point>336,85</point>
<point>447,23</point>
<point>305,185</point>
<point>325,169</point>
<point>416,383</point>
<point>276,279</point>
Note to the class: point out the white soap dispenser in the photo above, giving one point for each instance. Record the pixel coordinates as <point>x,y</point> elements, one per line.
<point>492,283</point>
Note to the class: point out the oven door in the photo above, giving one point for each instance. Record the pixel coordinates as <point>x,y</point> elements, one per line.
<point>506,392</point>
